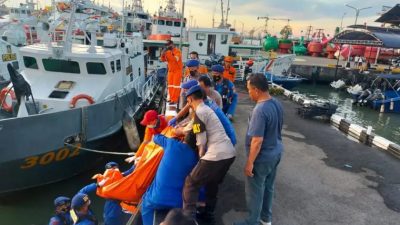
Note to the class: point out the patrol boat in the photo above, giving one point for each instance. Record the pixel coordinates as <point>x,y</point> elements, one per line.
<point>71,94</point>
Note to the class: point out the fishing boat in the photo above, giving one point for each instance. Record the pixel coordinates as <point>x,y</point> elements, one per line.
<point>67,98</point>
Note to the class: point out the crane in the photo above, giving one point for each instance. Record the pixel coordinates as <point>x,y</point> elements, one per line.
<point>266,18</point>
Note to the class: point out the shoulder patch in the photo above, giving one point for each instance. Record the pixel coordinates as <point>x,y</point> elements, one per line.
<point>198,125</point>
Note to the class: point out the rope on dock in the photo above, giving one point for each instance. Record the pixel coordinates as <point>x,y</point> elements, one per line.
<point>99,151</point>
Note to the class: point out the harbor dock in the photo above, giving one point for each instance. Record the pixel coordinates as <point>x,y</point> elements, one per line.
<point>323,70</point>
<point>324,177</point>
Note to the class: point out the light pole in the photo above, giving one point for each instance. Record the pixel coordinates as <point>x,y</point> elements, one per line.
<point>341,22</point>
<point>357,11</point>
<point>242,34</point>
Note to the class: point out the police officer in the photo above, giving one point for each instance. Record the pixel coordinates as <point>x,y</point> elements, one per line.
<point>216,153</point>
<point>202,69</point>
<point>80,212</point>
<point>226,89</point>
<point>62,215</point>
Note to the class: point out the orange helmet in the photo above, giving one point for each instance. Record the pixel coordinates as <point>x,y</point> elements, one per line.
<point>228,59</point>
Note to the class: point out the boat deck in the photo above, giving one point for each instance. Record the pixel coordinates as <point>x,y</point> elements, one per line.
<point>323,178</point>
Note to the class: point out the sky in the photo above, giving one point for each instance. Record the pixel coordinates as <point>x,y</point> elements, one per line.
<point>320,14</point>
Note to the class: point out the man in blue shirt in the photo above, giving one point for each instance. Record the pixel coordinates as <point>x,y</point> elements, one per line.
<point>62,215</point>
<point>264,148</point>
<point>226,89</point>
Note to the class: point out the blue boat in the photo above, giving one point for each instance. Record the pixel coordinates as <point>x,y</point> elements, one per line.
<point>286,82</point>
<point>391,101</point>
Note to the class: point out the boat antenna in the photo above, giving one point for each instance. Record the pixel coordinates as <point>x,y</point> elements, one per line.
<point>227,13</point>
<point>182,21</point>
<point>222,14</point>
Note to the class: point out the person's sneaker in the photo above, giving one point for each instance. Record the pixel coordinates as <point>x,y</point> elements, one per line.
<point>264,223</point>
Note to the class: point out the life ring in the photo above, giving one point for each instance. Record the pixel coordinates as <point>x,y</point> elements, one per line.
<point>75,99</point>
<point>3,95</point>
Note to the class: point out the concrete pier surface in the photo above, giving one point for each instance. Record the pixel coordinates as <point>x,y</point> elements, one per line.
<point>323,178</point>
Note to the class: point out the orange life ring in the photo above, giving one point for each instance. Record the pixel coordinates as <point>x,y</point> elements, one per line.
<point>3,94</point>
<point>75,99</point>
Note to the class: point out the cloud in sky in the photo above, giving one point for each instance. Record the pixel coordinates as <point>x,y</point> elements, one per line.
<point>317,13</point>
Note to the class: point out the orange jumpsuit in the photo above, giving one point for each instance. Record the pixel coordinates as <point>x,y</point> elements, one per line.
<point>230,73</point>
<point>175,66</point>
<point>202,70</point>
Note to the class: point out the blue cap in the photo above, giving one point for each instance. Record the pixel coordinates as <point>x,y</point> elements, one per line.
<point>189,84</point>
<point>192,63</point>
<point>110,165</point>
<point>217,68</point>
<point>61,200</point>
<point>193,90</point>
<point>79,200</point>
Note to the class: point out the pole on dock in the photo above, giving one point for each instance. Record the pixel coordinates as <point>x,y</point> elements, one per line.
<point>337,61</point>
<point>182,21</point>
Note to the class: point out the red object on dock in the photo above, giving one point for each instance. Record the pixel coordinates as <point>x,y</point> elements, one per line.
<point>331,49</point>
<point>315,49</point>
<point>284,47</point>
<point>159,37</point>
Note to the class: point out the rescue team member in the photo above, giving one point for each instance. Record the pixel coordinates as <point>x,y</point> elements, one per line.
<point>216,154</point>
<point>80,212</point>
<point>155,124</point>
<point>226,89</point>
<point>229,70</point>
<point>192,66</point>
<point>229,129</point>
<point>173,57</point>
<point>62,215</point>
<point>206,84</point>
<point>166,191</point>
<point>202,68</point>
<point>264,148</point>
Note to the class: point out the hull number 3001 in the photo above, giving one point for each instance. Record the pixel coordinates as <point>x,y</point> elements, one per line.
<point>53,156</point>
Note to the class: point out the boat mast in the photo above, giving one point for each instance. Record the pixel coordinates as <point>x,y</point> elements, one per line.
<point>71,22</point>
<point>182,21</point>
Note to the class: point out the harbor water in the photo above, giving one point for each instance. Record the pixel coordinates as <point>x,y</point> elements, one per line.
<point>35,206</point>
<point>384,124</point>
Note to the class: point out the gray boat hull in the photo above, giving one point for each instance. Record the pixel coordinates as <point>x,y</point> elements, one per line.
<point>32,151</point>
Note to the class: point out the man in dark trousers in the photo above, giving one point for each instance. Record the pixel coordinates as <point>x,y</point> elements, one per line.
<point>264,148</point>
<point>216,153</point>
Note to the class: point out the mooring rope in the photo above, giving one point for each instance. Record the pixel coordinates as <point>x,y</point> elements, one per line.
<point>100,151</point>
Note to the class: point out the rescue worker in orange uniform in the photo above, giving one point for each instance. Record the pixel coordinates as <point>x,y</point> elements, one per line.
<point>173,57</point>
<point>229,70</point>
<point>202,68</point>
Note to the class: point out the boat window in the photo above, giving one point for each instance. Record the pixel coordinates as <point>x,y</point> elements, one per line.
<point>23,11</point>
<point>95,68</point>
<point>30,62</point>
<point>169,23</point>
<point>201,37</point>
<point>118,65</point>
<point>177,24</point>
<point>62,66</point>
<point>112,64</point>
<point>16,10</point>
<point>28,12</point>
<point>12,10</point>
<point>129,27</point>
<point>161,22</point>
<point>224,39</point>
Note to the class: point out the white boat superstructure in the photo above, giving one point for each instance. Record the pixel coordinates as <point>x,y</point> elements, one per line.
<point>66,75</point>
<point>168,21</point>
<point>136,19</point>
